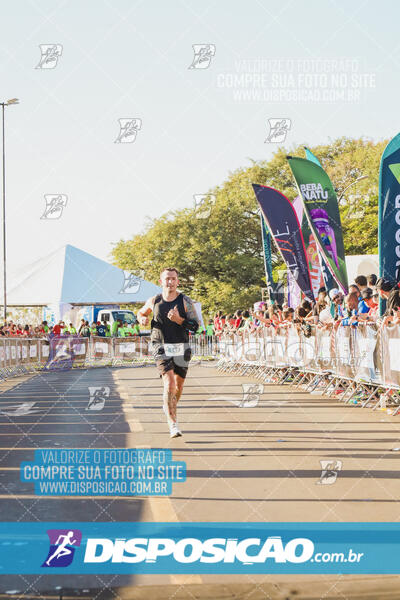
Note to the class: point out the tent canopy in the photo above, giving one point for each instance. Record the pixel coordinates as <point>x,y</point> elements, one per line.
<point>70,275</point>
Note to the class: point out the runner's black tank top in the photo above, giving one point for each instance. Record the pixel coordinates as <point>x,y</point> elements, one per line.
<point>162,328</point>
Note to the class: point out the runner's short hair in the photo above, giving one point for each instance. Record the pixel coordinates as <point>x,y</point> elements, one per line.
<point>170,269</point>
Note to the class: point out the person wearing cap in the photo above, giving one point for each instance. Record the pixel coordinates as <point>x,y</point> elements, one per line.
<point>367,307</point>
<point>101,329</point>
<point>336,308</point>
<point>350,312</point>
<point>333,294</point>
<point>363,306</point>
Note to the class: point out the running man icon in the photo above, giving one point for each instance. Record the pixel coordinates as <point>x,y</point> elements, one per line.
<point>61,551</point>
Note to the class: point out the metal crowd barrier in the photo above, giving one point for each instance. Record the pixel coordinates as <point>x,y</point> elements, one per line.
<point>22,356</point>
<point>359,365</point>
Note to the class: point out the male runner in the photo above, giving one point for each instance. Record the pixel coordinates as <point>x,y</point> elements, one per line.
<point>174,316</point>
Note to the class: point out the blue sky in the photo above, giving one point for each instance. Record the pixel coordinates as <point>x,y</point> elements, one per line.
<point>127,59</point>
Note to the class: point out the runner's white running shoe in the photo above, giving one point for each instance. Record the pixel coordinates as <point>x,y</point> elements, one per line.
<point>174,430</point>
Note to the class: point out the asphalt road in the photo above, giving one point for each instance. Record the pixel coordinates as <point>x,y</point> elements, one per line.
<point>254,463</point>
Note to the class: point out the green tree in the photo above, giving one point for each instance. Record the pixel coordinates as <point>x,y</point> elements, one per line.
<point>220,257</point>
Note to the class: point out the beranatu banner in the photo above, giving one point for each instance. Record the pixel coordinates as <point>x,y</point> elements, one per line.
<point>327,276</point>
<point>285,228</point>
<point>322,211</point>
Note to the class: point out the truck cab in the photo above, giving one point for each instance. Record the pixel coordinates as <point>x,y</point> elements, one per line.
<point>112,315</point>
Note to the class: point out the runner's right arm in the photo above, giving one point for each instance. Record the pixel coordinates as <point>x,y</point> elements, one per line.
<point>145,311</point>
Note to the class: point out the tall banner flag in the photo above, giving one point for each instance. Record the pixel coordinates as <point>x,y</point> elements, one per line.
<point>313,256</point>
<point>284,226</point>
<point>322,211</point>
<point>274,291</point>
<point>311,156</point>
<point>389,213</point>
<point>326,274</point>
<point>294,292</point>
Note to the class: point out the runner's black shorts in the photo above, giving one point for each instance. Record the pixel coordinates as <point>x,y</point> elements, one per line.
<point>177,364</point>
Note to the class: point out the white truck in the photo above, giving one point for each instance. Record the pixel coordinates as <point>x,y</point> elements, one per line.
<point>103,313</point>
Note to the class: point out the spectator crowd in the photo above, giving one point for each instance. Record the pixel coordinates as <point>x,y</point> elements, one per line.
<point>44,330</point>
<point>330,310</point>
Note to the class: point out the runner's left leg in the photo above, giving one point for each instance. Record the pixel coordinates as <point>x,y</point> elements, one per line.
<point>179,383</point>
<point>169,395</point>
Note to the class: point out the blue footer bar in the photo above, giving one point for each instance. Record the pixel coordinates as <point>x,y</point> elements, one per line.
<point>199,548</point>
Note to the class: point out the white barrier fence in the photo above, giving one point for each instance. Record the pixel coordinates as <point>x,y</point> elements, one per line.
<point>362,363</point>
<point>20,355</point>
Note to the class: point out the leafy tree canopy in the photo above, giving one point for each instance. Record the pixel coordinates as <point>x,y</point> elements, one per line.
<point>217,249</point>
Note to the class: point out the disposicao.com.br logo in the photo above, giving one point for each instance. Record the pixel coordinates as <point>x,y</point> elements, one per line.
<point>62,547</point>
<point>199,547</point>
<point>189,550</point>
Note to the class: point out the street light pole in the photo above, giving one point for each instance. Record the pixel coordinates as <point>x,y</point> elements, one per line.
<point>3,105</point>
<point>4,217</point>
